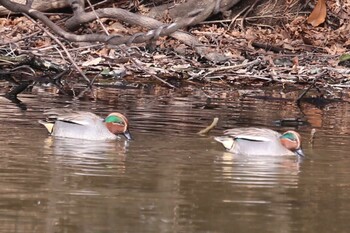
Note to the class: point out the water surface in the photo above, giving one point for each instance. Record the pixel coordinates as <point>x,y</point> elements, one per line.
<point>169,179</point>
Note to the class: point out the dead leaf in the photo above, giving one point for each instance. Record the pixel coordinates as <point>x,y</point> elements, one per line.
<point>318,15</point>
<point>295,65</point>
<point>43,42</point>
<point>92,62</point>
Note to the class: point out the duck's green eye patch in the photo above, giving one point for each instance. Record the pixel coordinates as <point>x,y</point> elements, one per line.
<point>114,119</point>
<point>289,136</point>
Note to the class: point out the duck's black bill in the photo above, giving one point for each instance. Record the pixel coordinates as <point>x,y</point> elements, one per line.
<point>127,135</point>
<point>300,152</point>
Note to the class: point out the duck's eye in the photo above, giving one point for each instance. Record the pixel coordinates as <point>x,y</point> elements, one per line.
<point>114,119</point>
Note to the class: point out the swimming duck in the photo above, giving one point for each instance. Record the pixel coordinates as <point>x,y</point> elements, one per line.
<point>261,141</point>
<point>86,125</point>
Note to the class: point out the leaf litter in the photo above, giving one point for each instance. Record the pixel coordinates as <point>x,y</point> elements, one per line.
<point>294,53</point>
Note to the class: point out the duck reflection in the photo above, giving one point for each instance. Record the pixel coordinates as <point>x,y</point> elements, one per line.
<point>89,156</point>
<point>261,171</point>
<point>261,188</point>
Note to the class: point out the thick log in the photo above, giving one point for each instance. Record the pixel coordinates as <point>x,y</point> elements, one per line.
<point>40,5</point>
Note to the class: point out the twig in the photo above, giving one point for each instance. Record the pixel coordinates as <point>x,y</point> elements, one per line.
<point>235,67</point>
<point>247,18</point>
<point>340,85</point>
<point>136,63</point>
<point>312,136</point>
<point>133,60</point>
<point>97,17</point>
<point>236,17</point>
<point>247,12</point>
<point>62,46</point>
<point>307,89</point>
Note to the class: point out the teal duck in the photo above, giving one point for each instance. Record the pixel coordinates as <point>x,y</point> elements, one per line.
<point>86,125</point>
<point>261,141</point>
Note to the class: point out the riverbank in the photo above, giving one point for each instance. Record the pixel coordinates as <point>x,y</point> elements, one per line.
<point>295,54</point>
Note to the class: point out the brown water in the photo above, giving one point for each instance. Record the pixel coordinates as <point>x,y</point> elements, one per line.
<point>169,179</point>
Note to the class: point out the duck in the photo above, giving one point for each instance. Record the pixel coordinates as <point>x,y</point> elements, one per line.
<point>86,125</point>
<point>261,141</point>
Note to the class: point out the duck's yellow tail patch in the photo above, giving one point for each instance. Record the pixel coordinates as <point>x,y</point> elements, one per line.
<point>48,125</point>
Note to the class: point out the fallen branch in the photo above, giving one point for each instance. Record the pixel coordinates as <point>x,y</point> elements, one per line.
<point>64,49</point>
<point>157,28</point>
<point>210,127</point>
<point>312,136</point>
<point>310,86</point>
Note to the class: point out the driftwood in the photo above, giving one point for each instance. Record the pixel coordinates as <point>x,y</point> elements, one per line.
<point>40,5</point>
<point>33,10</point>
<point>210,127</point>
<point>176,11</point>
<point>185,14</point>
<point>259,67</point>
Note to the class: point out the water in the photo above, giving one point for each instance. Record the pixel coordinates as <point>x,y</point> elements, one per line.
<point>169,179</point>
